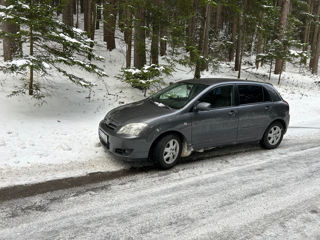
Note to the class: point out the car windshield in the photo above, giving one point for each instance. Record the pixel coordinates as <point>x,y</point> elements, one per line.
<point>178,95</point>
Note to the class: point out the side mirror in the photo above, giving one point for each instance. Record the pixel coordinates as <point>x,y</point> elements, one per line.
<point>202,106</point>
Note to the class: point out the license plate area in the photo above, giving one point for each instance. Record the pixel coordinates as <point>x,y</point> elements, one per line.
<point>105,138</point>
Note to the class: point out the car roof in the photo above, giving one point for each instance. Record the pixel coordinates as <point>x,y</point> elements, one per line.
<point>212,81</point>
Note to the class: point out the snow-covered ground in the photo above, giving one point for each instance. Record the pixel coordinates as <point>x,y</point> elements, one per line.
<point>58,138</point>
<point>250,193</point>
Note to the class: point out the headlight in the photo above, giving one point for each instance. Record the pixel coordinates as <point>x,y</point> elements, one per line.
<point>132,129</point>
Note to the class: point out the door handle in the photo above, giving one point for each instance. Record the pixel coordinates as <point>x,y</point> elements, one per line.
<point>267,108</point>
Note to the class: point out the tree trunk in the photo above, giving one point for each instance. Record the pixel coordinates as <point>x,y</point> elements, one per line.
<point>67,13</point>
<point>192,30</point>
<point>82,6</point>
<point>316,56</point>
<point>197,72</point>
<point>31,66</point>
<point>315,39</point>
<point>86,12</point>
<point>239,44</point>
<point>121,14</point>
<point>259,48</point>
<point>259,43</point>
<point>99,15</point>
<point>93,16</point>
<point>233,37</point>
<point>200,63</point>
<point>109,26</point>
<point>306,36</point>
<point>128,36</point>
<point>163,40</point>
<point>74,6</point>
<point>206,30</point>
<point>155,18</point>
<point>205,48</point>
<point>283,22</point>
<point>243,40</point>
<point>163,36</point>
<point>155,43</point>
<point>77,14</point>
<point>218,20</point>
<point>10,45</point>
<point>139,38</point>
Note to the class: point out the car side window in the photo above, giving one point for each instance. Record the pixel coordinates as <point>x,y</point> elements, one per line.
<point>266,95</point>
<point>250,94</point>
<point>273,94</point>
<point>219,97</point>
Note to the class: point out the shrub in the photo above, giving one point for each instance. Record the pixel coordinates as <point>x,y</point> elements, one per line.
<point>146,77</point>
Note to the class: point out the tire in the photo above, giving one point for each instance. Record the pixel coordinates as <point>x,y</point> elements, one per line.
<point>167,151</point>
<point>272,136</point>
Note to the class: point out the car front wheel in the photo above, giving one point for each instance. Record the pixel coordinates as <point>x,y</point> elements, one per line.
<point>167,151</point>
<point>273,136</point>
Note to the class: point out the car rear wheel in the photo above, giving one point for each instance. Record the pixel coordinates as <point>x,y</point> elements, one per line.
<point>273,136</point>
<point>167,151</point>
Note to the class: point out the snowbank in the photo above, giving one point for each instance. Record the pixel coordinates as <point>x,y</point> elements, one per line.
<point>59,137</point>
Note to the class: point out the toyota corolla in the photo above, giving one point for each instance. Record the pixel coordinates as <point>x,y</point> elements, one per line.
<point>193,115</point>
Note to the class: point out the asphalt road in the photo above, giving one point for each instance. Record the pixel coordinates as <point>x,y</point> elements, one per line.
<point>233,193</point>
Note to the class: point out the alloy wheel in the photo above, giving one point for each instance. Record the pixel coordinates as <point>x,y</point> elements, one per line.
<point>274,135</point>
<point>171,151</point>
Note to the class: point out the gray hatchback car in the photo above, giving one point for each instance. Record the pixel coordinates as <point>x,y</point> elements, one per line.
<point>194,115</point>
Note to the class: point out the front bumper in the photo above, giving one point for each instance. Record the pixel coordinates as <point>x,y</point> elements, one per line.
<point>128,149</point>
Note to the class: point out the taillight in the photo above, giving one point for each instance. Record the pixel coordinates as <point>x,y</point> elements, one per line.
<point>287,104</point>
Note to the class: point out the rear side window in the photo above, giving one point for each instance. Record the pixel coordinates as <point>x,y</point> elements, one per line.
<point>274,95</point>
<point>266,95</point>
<point>250,94</point>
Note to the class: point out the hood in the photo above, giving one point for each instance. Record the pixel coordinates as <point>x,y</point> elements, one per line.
<point>142,111</point>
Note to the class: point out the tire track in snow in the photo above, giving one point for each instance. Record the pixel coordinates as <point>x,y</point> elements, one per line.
<point>191,201</point>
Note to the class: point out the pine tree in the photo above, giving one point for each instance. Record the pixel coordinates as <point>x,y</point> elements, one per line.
<point>52,44</point>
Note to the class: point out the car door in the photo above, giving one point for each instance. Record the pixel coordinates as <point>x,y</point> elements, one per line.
<point>254,111</point>
<point>217,125</point>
